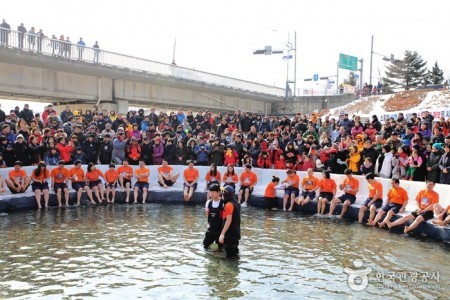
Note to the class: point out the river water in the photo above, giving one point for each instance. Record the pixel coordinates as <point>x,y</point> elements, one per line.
<point>155,251</point>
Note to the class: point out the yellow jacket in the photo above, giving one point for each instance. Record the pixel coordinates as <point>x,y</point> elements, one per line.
<point>353,162</point>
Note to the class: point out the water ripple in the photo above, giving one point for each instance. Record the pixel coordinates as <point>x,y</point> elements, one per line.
<point>152,250</point>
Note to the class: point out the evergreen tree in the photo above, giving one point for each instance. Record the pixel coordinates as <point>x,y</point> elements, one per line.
<point>407,73</point>
<point>351,80</point>
<point>436,75</point>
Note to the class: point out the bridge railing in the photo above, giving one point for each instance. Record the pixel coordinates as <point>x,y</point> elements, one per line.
<point>69,50</point>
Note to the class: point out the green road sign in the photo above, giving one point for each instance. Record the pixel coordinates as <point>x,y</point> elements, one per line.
<point>348,62</point>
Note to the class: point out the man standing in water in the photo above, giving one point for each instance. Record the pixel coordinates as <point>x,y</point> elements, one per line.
<point>231,232</point>
<point>214,211</point>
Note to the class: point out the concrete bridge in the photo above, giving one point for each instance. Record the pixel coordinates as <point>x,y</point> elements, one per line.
<point>61,72</point>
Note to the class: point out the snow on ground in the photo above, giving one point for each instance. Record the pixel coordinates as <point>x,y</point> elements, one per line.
<point>408,102</point>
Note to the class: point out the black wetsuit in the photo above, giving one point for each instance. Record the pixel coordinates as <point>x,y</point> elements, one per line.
<point>215,224</point>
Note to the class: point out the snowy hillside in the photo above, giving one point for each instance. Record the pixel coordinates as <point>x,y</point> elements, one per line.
<point>408,102</point>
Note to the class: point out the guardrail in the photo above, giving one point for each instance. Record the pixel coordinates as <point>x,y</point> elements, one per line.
<point>34,42</point>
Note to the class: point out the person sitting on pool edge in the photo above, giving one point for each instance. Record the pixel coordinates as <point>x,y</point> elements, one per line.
<point>190,176</point>
<point>350,186</point>
<point>95,184</point>
<point>230,177</point>
<point>125,174</point>
<point>76,176</point>
<point>18,181</point>
<point>374,201</point>
<point>291,191</point>
<point>442,215</point>
<point>426,201</point>
<point>213,210</point>
<point>165,176</point>
<point>59,177</point>
<point>248,182</point>
<point>111,178</point>
<point>231,231</point>
<point>397,200</point>
<point>141,174</point>
<point>39,178</point>
<point>327,191</point>
<point>310,184</point>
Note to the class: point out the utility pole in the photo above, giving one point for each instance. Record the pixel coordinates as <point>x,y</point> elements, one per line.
<point>361,74</point>
<point>371,57</point>
<point>173,55</point>
<point>295,61</point>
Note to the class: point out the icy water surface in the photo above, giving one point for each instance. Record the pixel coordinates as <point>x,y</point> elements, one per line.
<point>154,251</point>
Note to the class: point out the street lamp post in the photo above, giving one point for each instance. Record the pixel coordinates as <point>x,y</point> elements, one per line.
<point>268,51</point>
<point>385,58</point>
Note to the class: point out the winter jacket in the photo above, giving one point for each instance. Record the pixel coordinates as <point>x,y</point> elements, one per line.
<point>106,149</point>
<point>21,152</point>
<point>91,150</point>
<point>118,149</point>
<point>133,152</point>
<point>65,151</point>
<point>264,162</point>
<point>52,160</point>
<point>158,153</point>
<point>230,157</point>
<point>202,151</point>
<point>444,163</point>
<point>433,163</point>
<point>169,153</point>
<point>217,155</point>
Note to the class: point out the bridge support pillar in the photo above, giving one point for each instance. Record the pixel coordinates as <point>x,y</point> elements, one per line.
<point>122,106</point>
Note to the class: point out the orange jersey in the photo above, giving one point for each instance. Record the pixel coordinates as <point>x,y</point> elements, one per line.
<point>426,198</point>
<point>270,191</point>
<point>111,176</point>
<point>310,183</point>
<point>190,174</point>
<point>210,177</point>
<point>327,185</point>
<point>94,175</point>
<point>18,175</point>
<point>350,185</point>
<point>293,181</point>
<point>165,170</point>
<point>397,195</point>
<point>141,172</point>
<point>125,171</point>
<point>230,178</point>
<point>79,173</point>
<point>43,176</point>
<point>375,187</point>
<point>248,178</point>
<point>228,210</point>
<point>59,175</point>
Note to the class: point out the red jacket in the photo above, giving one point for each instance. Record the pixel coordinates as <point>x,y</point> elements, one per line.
<point>264,163</point>
<point>279,164</point>
<point>230,158</point>
<point>64,151</point>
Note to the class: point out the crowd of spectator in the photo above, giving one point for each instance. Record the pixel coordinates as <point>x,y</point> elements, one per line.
<point>33,40</point>
<point>414,149</point>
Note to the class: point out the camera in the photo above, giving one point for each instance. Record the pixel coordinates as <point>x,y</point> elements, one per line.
<point>203,148</point>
